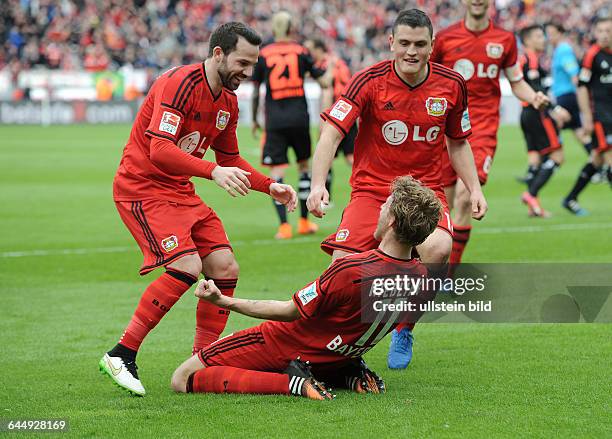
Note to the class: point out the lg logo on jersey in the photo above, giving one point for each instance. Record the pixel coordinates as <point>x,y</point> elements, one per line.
<point>190,142</point>
<point>466,68</point>
<point>396,132</point>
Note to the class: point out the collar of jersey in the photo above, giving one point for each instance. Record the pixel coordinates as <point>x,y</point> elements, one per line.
<point>386,256</point>
<point>209,87</point>
<point>412,87</point>
<point>479,32</point>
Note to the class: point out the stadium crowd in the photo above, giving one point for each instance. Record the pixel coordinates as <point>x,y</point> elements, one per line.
<point>97,35</point>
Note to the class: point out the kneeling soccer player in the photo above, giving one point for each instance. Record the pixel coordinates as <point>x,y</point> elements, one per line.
<point>323,327</point>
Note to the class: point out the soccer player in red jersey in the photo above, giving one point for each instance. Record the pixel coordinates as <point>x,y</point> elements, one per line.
<point>188,110</point>
<point>595,102</point>
<point>479,50</point>
<point>410,109</point>
<point>328,323</point>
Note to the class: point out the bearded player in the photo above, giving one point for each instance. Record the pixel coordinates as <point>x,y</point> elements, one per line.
<point>479,50</point>
<point>329,323</point>
<point>188,110</point>
<point>410,110</point>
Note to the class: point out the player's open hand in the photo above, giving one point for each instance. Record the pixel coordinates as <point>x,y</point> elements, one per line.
<point>284,194</point>
<point>233,180</point>
<point>540,100</point>
<point>317,201</point>
<point>207,290</point>
<point>479,205</point>
<point>255,129</point>
<point>561,116</point>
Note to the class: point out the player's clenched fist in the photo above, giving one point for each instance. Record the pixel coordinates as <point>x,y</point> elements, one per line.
<point>479,205</point>
<point>233,180</point>
<point>207,290</point>
<point>317,200</point>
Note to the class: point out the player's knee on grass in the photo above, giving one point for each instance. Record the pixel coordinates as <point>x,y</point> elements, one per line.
<point>181,375</point>
<point>221,265</point>
<point>191,264</point>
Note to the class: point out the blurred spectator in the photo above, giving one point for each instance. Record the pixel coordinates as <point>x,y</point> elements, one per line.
<point>106,34</point>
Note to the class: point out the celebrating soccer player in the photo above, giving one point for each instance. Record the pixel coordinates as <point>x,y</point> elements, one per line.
<point>595,101</point>
<point>479,50</point>
<point>539,128</point>
<point>410,110</point>
<point>282,66</point>
<point>324,323</point>
<point>188,110</point>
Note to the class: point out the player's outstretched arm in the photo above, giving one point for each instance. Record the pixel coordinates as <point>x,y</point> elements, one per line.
<point>282,311</point>
<point>524,92</point>
<point>321,163</point>
<point>460,154</point>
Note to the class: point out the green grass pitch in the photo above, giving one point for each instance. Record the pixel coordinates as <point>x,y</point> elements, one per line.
<point>69,284</point>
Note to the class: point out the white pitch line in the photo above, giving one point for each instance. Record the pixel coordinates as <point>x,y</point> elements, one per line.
<point>303,240</point>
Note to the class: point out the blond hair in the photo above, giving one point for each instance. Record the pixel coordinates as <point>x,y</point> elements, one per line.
<point>416,210</point>
<point>281,24</point>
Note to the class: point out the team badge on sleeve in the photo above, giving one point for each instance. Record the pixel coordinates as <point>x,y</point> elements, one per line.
<point>169,123</point>
<point>222,119</point>
<point>341,110</point>
<point>169,243</point>
<point>342,235</point>
<point>308,294</point>
<point>436,106</point>
<point>495,50</point>
<point>466,125</point>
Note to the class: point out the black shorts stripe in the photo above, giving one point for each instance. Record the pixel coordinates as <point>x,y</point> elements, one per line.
<point>357,85</point>
<point>146,269</point>
<point>188,91</point>
<point>221,246</point>
<point>232,343</point>
<point>146,223</point>
<point>184,83</point>
<point>148,234</point>
<point>151,133</point>
<point>362,75</point>
<point>327,118</point>
<point>340,247</point>
<point>186,278</point>
<point>332,270</point>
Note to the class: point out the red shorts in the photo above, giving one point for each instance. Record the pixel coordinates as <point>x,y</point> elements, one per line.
<point>355,233</point>
<point>165,230</point>
<point>246,349</point>
<point>483,159</point>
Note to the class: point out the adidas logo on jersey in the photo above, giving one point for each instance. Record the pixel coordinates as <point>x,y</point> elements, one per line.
<point>389,106</point>
<point>197,116</point>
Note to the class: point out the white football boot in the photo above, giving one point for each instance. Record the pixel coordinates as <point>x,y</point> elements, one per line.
<point>124,375</point>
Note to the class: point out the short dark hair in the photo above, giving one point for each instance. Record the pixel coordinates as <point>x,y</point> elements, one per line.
<point>557,26</point>
<point>226,37</point>
<point>416,210</point>
<point>318,44</point>
<point>413,18</point>
<point>601,19</point>
<point>526,31</point>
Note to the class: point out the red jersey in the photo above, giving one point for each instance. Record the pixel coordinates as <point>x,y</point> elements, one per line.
<point>181,108</point>
<point>332,327</point>
<point>479,57</point>
<point>402,127</point>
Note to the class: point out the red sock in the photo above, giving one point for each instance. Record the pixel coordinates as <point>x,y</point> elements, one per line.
<point>461,235</point>
<point>227,379</point>
<point>155,302</point>
<point>210,319</point>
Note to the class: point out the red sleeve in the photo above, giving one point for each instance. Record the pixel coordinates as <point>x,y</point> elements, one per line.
<point>169,158</point>
<point>587,61</point>
<point>169,105</point>
<point>227,154</point>
<point>512,55</point>
<point>324,293</point>
<point>350,104</point>
<point>458,124</point>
